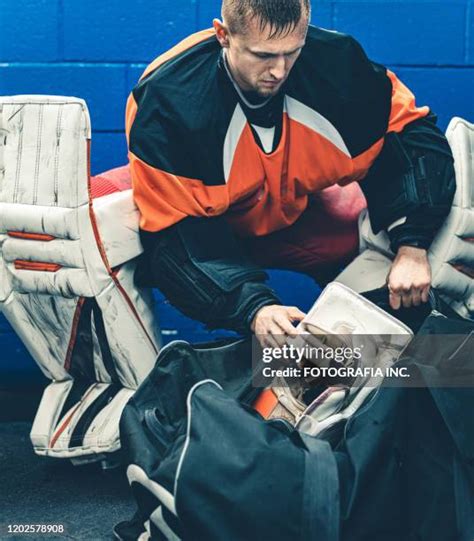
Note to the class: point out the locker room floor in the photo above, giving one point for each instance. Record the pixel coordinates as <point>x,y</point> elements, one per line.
<point>35,490</point>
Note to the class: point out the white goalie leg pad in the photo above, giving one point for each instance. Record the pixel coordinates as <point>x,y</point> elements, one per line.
<point>368,271</point>
<point>452,252</point>
<point>73,422</point>
<point>125,309</point>
<point>67,263</point>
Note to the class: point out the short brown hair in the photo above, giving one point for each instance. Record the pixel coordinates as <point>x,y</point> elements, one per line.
<point>281,16</point>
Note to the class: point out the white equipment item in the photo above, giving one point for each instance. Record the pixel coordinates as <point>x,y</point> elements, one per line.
<point>452,252</point>
<point>378,337</point>
<point>66,275</point>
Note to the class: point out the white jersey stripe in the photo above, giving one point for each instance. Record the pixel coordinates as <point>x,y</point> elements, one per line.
<point>234,132</point>
<point>308,117</point>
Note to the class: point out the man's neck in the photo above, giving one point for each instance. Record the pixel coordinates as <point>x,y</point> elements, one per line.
<point>251,99</point>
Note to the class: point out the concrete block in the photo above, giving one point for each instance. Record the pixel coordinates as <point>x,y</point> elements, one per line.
<point>170,318</point>
<point>108,150</point>
<point>470,34</point>
<point>210,9</point>
<point>103,87</point>
<point>123,31</point>
<point>448,91</point>
<point>29,30</point>
<point>392,32</point>
<point>17,367</point>
<point>294,288</point>
<point>134,72</point>
<point>207,11</point>
<point>322,15</point>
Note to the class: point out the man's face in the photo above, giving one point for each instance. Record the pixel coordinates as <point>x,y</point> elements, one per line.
<point>258,63</point>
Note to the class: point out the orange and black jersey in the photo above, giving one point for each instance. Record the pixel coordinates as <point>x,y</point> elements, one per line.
<point>194,144</point>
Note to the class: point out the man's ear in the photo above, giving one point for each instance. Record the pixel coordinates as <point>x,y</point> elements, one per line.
<point>222,33</point>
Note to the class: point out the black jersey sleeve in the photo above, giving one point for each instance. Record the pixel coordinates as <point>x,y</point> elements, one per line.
<point>412,180</point>
<point>201,267</point>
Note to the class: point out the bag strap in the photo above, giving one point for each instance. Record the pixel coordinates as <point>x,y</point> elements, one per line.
<point>321,506</point>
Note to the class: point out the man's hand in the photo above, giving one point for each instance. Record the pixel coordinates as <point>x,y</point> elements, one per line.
<point>273,324</point>
<point>409,279</point>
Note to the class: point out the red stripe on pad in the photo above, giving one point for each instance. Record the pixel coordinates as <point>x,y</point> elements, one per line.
<point>21,264</point>
<point>30,236</point>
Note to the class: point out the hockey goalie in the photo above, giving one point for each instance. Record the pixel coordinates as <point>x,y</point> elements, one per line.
<point>68,245</point>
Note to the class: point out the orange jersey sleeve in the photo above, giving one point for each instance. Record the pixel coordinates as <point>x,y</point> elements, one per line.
<point>162,196</point>
<point>404,109</point>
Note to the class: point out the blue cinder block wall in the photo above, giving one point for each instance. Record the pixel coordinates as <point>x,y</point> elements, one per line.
<point>97,50</point>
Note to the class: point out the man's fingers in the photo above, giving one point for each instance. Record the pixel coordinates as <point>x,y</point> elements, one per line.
<point>409,278</point>
<point>416,297</point>
<point>273,325</point>
<point>406,299</point>
<point>295,313</point>
<point>285,325</point>
<point>395,300</point>
<point>271,337</point>
<point>278,335</point>
<point>425,294</point>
